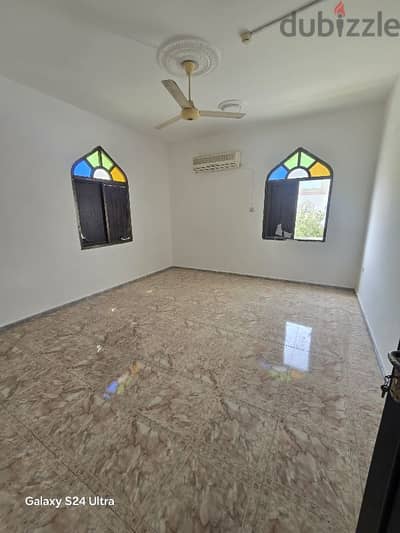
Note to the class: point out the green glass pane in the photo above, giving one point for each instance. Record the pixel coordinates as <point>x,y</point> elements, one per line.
<point>292,162</point>
<point>107,162</point>
<point>94,158</point>
<point>306,160</point>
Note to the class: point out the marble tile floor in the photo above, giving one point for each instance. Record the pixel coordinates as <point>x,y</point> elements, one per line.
<point>195,402</point>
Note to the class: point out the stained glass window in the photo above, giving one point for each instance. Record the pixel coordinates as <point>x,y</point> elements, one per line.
<point>300,164</point>
<point>297,198</point>
<point>102,200</point>
<point>98,165</point>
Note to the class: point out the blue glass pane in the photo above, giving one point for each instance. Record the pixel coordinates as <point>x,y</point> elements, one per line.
<point>279,173</point>
<point>112,387</point>
<point>82,169</point>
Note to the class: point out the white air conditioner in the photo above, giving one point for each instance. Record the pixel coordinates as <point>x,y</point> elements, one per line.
<point>216,162</point>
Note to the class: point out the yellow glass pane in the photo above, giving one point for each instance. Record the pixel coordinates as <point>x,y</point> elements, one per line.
<point>319,170</point>
<point>118,175</point>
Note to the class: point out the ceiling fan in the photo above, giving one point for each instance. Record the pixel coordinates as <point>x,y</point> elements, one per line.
<point>189,110</point>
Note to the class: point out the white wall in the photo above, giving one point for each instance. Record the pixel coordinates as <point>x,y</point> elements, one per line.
<point>41,263</point>
<point>379,288</point>
<point>211,222</point>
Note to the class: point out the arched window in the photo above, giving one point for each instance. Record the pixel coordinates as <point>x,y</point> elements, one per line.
<point>102,200</point>
<point>297,198</point>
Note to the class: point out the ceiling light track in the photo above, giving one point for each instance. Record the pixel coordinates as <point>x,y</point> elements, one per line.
<point>248,34</point>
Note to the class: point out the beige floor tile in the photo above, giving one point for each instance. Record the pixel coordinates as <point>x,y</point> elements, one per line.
<point>203,496</point>
<point>238,435</point>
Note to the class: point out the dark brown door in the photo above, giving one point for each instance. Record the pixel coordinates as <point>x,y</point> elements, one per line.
<point>380,511</point>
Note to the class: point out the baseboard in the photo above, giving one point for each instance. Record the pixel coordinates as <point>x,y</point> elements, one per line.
<point>73,302</point>
<point>383,366</point>
<point>270,278</point>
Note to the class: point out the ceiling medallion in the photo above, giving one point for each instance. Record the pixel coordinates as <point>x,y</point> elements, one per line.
<point>175,51</point>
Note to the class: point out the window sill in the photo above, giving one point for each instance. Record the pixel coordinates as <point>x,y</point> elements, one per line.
<point>281,239</point>
<point>104,245</point>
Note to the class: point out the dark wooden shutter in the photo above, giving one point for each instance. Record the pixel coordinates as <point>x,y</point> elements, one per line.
<point>280,207</point>
<point>116,201</point>
<point>91,213</point>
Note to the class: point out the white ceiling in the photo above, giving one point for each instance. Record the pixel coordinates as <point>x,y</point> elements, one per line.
<point>100,55</point>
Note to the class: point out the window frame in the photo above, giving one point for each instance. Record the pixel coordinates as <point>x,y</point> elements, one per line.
<point>298,180</point>
<point>102,184</point>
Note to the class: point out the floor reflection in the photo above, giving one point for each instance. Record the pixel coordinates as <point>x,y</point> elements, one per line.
<point>296,353</point>
<point>118,386</point>
<point>279,372</point>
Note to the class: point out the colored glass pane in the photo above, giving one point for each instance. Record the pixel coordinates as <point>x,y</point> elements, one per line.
<point>292,161</point>
<point>279,173</point>
<point>82,169</point>
<point>118,175</point>
<point>94,158</point>
<point>319,170</point>
<point>298,173</point>
<point>112,387</point>
<point>306,160</point>
<point>106,161</point>
<point>101,174</point>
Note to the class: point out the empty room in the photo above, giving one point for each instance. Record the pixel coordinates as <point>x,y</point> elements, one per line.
<point>199,266</point>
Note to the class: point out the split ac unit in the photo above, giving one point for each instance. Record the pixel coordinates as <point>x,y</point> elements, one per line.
<point>216,162</point>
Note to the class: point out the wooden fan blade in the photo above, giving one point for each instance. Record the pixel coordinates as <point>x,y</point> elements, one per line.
<point>168,122</point>
<point>176,93</point>
<point>221,114</point>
